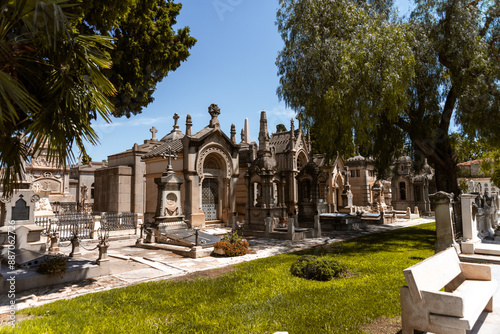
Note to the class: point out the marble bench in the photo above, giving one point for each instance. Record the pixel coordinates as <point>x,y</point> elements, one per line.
<point>468,290</point>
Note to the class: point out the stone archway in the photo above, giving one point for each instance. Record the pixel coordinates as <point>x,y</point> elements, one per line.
<point>214,183</point>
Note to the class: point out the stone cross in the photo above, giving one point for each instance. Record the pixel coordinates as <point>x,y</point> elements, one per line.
<point>169,156</point>
<point>153,132</point>
<point>176,117</point>
<point>214,111</point>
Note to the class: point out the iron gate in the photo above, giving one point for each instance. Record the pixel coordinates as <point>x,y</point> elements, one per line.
<point>210,199</point>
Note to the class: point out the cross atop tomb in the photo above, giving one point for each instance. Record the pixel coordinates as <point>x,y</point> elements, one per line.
<point>153,132</point>
<point>169,155</point>
<point>214,111</point>
<point>176,125</point>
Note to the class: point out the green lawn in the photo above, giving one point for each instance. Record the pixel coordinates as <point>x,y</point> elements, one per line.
<point>260,296</point>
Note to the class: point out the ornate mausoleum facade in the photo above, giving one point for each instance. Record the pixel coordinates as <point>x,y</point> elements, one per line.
<point>223,177</point>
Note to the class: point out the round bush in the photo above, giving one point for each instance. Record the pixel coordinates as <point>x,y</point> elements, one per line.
<point>318,268</point>
<point>53,266</point>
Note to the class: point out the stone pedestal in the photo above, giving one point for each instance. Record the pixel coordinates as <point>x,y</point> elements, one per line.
<point>444,227</point>
<point>469,224</point>
<point>269,225</point>
<point>103,253</point>
<point>75,248</point>
<point>291,226</point>
<point>347,198</point>
<point>317,227</point>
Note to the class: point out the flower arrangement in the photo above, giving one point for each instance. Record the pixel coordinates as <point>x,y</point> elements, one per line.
<point>231,244</point>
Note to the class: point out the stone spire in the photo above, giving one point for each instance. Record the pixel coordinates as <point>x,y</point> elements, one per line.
<point>292,135</point>
<point>189,125</point>
<point>233,133</point>
<point>263,134</point>
<point>247,132</point>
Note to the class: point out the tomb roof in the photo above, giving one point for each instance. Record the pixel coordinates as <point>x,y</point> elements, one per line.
<point>281,141</point>
<point>175,144</point>
<point>173,135</point>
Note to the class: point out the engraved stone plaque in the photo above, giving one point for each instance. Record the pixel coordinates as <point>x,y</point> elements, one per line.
<point>20,211</point>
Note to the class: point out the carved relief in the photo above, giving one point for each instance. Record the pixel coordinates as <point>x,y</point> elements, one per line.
<point>5,199</point>
<point>171,209</point>
<point>222,153</point>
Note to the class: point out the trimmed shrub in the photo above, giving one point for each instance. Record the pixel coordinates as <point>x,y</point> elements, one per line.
<point>53,266</point>
<point>232,244</point>
<point>318,268</point>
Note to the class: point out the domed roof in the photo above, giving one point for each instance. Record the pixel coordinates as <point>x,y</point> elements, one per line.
<point>404,159</point>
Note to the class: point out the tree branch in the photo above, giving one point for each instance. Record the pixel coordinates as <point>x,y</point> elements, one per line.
<point>495,53</point>
<point>449,106</point>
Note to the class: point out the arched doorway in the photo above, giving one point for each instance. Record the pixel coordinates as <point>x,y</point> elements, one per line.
<point>212,185</point>
<point>210,198</point>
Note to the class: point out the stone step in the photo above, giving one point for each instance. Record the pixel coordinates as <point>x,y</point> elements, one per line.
<point>487,249</point>
<point>480,258</point>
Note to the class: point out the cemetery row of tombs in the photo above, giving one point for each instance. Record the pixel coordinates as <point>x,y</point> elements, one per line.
<point>166,190</point>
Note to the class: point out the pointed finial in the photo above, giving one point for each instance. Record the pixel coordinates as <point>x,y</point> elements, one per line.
<point>233,133</point>
<point>263,134</point>
<point>189,125</point>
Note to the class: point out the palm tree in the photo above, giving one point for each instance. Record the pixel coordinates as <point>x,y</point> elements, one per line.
<point>51,84</point>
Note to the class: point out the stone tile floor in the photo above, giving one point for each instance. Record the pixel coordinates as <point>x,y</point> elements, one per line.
<point>125,271</point>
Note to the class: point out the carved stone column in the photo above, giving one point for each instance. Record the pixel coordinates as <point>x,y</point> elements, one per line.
<point>469,224</point>
<point>444,223</point>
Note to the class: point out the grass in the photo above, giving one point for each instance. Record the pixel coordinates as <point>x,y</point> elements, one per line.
<point>260,296</point>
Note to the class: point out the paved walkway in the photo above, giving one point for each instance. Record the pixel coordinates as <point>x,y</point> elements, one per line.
<point>125,271</point>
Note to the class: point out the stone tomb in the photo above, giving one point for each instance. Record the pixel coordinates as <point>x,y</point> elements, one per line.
<point>341,222</point>
<point>169,226</point>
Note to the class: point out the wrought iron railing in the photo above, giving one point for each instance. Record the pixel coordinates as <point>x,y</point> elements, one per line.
<point>119,221</point>
<point>68,224</point>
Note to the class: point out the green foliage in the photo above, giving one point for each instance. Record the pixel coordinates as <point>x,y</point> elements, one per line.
<point>86,159</point>
<point>56,75</point>
<point>467,149</point>
<point>280,128</point>
<point>490,164</point>
<point>232,244</point>
<point>318,268</point>
<point>357,73</point>
<point>51,84</point>
<point>53,266</point>
<point>463,186</point>
<point>232,237</point>
<point>146,48</point>
<point>256,297</point>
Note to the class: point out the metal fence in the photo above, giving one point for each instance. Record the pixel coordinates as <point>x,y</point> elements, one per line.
<point>457,220</point>
<point>118,221</point>
<point>69,224</point>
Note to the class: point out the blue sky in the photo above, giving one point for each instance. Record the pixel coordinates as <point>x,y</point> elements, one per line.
<point>232,65</point>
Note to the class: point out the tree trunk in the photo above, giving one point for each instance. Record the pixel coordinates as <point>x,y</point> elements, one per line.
<point>446,176</point>
<point>444,160</point>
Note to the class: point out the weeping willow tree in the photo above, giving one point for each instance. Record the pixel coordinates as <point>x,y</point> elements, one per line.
<point>362,76</point>
<point>51,84</point>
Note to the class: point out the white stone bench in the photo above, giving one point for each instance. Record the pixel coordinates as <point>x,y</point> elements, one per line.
<point>468,291</point>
